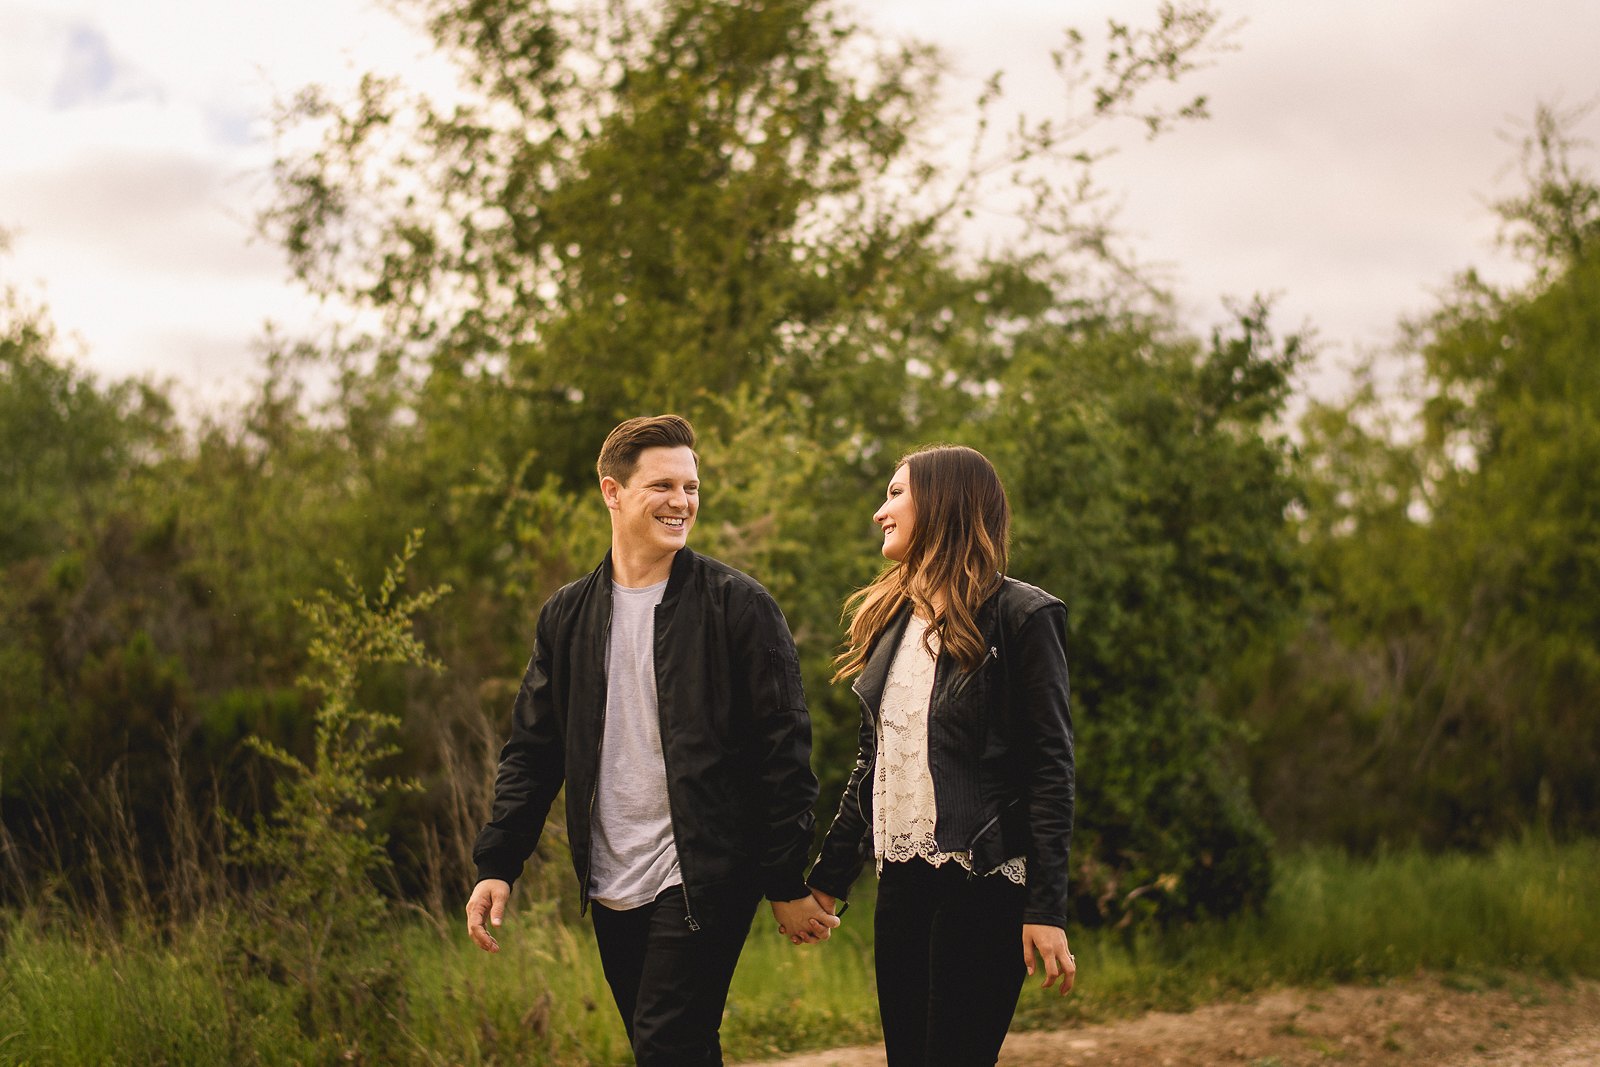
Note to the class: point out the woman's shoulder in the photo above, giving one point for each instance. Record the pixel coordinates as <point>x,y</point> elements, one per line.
<point>1019,601</point>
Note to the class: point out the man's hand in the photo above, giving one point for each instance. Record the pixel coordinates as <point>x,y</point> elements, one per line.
<point>487,905</point>
<point>804,920</point>
<point>1050,942</point>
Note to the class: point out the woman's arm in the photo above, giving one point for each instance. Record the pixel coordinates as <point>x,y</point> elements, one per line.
<point>845,846</point>
<point>1040,696</point>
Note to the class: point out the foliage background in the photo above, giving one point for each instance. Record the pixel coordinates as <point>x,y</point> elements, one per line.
<point>1372,627</point>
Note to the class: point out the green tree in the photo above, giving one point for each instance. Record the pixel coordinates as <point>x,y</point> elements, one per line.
<point>644,206</point>
<point>1151,485</point>
<point>741,211</point>
<point>82,680</point>
<point>1458,555</point>
<point>66,441</point>
<point>733,210</point>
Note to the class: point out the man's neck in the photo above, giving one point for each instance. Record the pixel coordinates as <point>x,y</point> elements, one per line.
<point>638,570</point>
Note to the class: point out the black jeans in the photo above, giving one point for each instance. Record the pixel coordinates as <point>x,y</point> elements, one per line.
<point>948,954</point>
<point>670,981</point>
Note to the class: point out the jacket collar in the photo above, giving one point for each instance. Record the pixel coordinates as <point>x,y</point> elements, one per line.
<point>869,685</point>
<point>874,677</point>
<point>682,564</point>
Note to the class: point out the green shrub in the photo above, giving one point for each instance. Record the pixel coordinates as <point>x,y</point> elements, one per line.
<point>317,922</point>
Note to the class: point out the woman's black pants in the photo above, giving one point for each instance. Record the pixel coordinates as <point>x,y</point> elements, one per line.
<point>948,953</point>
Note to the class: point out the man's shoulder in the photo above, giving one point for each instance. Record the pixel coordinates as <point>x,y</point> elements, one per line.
<point>566,600</point>
<point>726,578</point>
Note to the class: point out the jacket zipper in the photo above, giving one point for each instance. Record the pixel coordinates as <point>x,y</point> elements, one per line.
<point>594,787</point>
<point>972,845</point>
<point>869,830</point>
<point>994,654</point>
<point>972,860</point>
<point>966,678</point>
<point>672,818</point>
<point>869,779</point>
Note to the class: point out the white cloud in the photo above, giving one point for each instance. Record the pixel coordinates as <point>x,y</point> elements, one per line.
<point>137,143</point>
<point>140,212</point>
<point>92,74</point>
<point>32,53</point>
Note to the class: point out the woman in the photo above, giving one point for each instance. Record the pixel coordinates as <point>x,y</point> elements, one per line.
<point>963,785</point>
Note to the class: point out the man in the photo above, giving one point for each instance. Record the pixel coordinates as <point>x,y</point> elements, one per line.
<point>664,690</point>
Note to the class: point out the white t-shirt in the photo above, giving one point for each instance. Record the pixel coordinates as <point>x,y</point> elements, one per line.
<point>633,854</point>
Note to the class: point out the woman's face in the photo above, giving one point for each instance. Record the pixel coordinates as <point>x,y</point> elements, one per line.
<point>897,518</point>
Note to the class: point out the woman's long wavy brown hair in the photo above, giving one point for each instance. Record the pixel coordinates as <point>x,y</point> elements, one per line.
<point>957,555</point>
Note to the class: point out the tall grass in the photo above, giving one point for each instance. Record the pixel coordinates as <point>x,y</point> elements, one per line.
<point>72,993</point>
<point>1524,907</point>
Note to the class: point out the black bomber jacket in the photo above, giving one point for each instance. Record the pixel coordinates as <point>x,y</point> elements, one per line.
<point>735,734</point>
<point>999,750</point>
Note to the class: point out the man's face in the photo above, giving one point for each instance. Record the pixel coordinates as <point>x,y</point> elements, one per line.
<point>657,506</point>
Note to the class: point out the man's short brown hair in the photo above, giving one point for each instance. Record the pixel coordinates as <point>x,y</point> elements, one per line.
<point>619,456</point>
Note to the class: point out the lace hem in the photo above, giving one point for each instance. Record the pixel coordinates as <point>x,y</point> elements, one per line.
<point>1014,869</point>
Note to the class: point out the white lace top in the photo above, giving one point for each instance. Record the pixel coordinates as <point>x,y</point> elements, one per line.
<point>902,788</point>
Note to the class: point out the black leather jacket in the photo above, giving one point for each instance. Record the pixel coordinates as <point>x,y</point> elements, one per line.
<point>999,750</point>
<point>734,732</point>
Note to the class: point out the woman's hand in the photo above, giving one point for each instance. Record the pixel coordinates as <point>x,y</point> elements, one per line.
<point>829,902</point>
<point>1050,942</point>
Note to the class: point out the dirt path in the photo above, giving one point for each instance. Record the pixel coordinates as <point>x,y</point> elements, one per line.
<point>1525,1023</point>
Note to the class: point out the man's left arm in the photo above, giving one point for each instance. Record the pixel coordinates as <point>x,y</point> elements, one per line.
<point>782,746</point>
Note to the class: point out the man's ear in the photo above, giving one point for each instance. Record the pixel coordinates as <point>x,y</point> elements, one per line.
<point>611,490</point>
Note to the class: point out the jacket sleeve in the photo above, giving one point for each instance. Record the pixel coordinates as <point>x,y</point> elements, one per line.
<point>532,768</point>
<point>782,738</point>
<point>845,847</point>
<point>1042,694</point>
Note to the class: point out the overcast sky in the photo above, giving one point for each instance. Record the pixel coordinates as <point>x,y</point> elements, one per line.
<point>1348,165</point>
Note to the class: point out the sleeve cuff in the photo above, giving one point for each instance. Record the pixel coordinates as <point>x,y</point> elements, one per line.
<point>787,889</point>
<point>503,872</point>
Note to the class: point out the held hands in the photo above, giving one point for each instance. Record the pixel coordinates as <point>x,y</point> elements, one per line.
<point>1050,942</point>
<point>805,920</point>
<point>487,904</point>
<point>830,903</point>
